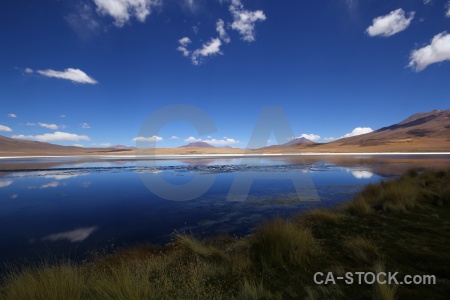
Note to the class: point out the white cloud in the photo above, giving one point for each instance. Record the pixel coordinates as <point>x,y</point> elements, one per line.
<point>85,125</point>
<point>150,139</point>
<point>78,145</point>
<point>208,49</point>
<point>49,126</point>
<point>184,42</point>
<point>122,10</point>
<point>220,27</point>
<point>12,115</point>
<point>74,75</point>
<point>427,1</point>
<point>5,128</point>
<point>56,136</point>
<point>358,131</point>
<point>28,70</point>
<point>437,51</point>
<point>329,139</point>
<point>223,142</point>
<point>103,145</point>
<point>5,183</point>
<point>390,24</point>
<point>50,185</point>
<point>244,20</point>
<point>192,139</point>
<point>77,235</point>
<point>174,137</point>
<point>311,137</point>
<point>30,124</point>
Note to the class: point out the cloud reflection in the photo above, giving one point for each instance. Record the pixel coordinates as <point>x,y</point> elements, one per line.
<point>5,183</point>
<point>50,185</point>
<point>77,235</point>
<point>362,174</point>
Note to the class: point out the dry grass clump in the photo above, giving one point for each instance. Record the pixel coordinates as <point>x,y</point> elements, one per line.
<point>282,242</point>
<point>45,283</point>
<point>361,248</point>
<point>321,216</point>
<point>383,291</point>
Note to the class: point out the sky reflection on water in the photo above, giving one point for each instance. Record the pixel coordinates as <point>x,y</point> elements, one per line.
<point>87,205</point>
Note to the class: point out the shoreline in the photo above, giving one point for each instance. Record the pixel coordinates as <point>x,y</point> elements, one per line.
<point>237,155</point>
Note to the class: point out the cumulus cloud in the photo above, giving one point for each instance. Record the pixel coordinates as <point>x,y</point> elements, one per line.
<point>56,136</point>
<point>217,142</point>
<point>437,51</point>
<point>208,49</point>
<point>49,126</point>
<point>390,24</point>
<point>12,115</point>
<point>150,139</point>
<point>5,128</point>
<point>192,139</point>
<point>74,75</point>
<point>311,137</point>
<point>77,235</point>
<point>184,42</point>
<point>244,20</point>
<point>174,137</point>
<point>329,138</point>
<point>358,131</point>
<point>103,145</point>
<point>85,125</point>
<point>220,27</point>
<point>123,10</point>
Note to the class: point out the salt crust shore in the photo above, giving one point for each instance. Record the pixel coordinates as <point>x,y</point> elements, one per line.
<point>192,156</point>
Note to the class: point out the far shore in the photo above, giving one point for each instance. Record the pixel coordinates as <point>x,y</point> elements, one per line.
<point>236,155</point>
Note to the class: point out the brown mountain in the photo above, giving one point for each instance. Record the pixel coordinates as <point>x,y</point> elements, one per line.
<point>419,132</point>
<point>122,147</point>
<point>197,145</point>
<point>9,146</point>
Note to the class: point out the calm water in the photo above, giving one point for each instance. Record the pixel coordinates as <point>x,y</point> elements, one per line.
<point>66,208</point>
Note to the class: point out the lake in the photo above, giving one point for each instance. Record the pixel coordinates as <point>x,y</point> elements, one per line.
<point>70,206</point>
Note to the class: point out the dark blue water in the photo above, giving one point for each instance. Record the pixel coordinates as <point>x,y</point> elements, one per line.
<point>75,207</point>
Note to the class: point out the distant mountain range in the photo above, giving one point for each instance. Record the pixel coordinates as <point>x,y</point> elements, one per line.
<point>420,132</point>
<point>197,145</point>
<point>297,142</point>
<point>122,147</point>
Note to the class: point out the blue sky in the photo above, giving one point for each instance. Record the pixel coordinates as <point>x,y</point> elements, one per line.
<point>90,72</point>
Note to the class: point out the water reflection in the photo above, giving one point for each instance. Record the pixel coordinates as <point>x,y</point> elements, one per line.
<point>76,235</point>
<point>362,174</point>
<point>5,183</point>
<point>112,196</point>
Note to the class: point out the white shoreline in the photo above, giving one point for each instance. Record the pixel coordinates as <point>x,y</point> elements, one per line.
<point>184,156</point>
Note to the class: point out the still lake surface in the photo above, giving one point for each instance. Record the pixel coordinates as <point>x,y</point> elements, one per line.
<point>54,207</point>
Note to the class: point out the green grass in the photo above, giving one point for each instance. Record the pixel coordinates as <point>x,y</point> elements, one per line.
<point>401,226</point>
